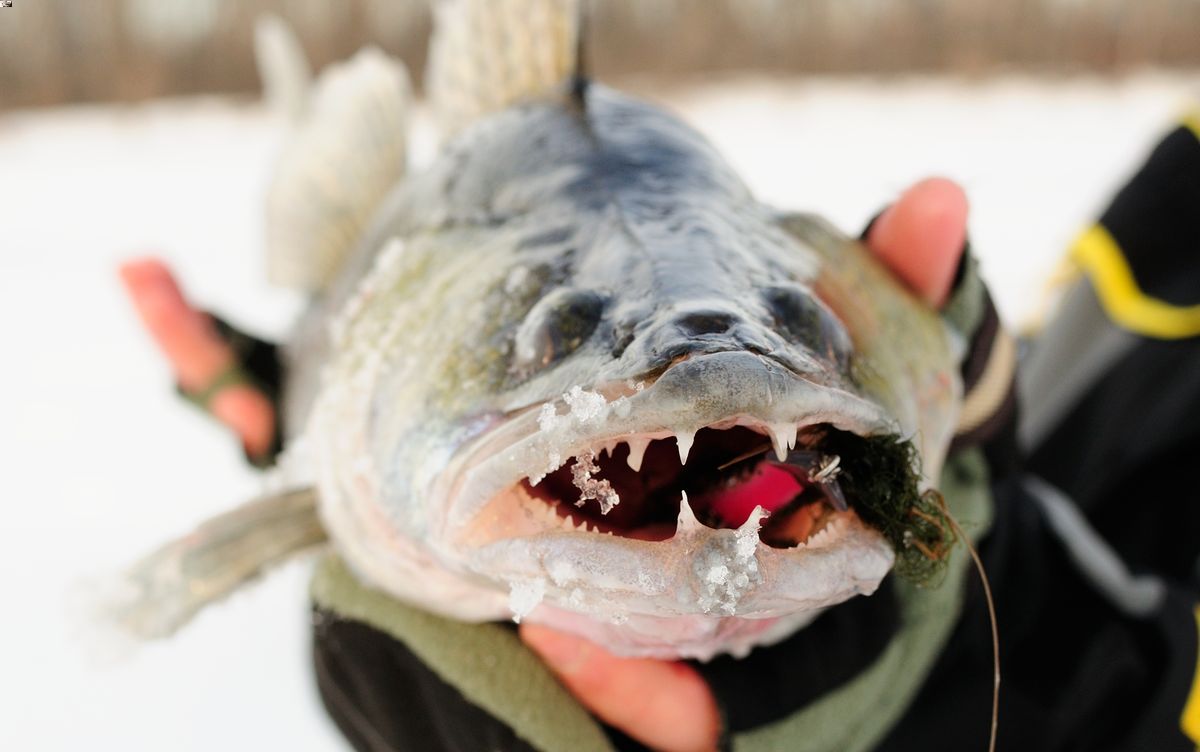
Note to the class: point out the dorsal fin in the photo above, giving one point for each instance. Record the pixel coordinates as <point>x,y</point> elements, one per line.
<point>284,70</point>
<point>488,54</point>
<point>346,149</point>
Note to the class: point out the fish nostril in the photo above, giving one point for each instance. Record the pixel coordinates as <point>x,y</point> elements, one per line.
<point>694,324</point>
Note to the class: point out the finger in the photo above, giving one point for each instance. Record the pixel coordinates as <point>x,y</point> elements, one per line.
<point>921,237</point>
<point>250,415</point>
<point>197,352</point>
<point>186,336</point>
<point>662,704</point>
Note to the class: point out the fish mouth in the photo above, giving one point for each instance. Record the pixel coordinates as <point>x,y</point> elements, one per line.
<point>646,487</point>
<point>676,518</point>
<point>714,437</point>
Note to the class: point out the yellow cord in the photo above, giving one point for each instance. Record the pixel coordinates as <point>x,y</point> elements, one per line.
<point>1192,122</point>
<point>1098,254</point>
<point>1190,721</point>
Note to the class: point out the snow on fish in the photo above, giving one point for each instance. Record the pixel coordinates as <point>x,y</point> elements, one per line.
<point>573,372</point>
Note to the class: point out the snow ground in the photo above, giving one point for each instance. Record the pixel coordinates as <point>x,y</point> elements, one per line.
<point>101,462</point>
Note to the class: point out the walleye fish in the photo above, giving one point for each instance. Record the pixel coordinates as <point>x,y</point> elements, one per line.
<point>573,372</point>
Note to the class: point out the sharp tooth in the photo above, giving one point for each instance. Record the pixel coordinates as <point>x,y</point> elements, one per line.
<point>755,520</point>
<point>637,450</point>
<point>687,521</point>
<point>783,438</point>
<point>684,439</point>
<point>566,524</point>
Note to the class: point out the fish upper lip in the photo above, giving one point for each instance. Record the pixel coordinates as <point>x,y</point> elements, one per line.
<point>797,365</point>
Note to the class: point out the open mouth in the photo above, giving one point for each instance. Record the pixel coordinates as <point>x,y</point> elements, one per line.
<point>727,487</point>
<point>634,487</point>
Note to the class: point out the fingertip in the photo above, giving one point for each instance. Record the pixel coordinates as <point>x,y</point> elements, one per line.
<point>152,288</point>
<point>921,237</point>
<point>249,413</point>
<point>942,194</point>
<point>140,271</point>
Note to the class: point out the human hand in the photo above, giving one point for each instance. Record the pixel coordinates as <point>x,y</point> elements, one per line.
<point>197,353</point>
<point>666,705</point>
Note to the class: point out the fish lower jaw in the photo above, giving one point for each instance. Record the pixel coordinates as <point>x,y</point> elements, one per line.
<point>697,594</point>
<point>690,544</point>
<point>704,507</point>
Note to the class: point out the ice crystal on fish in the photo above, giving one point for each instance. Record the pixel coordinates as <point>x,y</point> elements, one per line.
<point>599,489</point>
<point>747,534</point>
<point>525,596</point>
<point>562,572</point>
<point>548,417</point>
<point>584,405</point>
<point>718,575</point>
<point>729,568</point>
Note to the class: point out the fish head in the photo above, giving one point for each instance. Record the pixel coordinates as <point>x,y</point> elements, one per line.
<point>586,380</point>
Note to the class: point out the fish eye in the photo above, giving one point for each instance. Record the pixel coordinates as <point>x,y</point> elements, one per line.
<point>556,326</point>
<point>806,321</point>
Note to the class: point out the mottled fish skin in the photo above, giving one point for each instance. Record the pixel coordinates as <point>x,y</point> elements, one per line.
<point>589,241</point>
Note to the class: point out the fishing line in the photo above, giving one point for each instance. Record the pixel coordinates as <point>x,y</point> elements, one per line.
<point>991,605</point>
<point>743,457</point>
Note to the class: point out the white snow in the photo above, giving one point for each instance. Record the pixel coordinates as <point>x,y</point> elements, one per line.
<point>582,406</point>
<point>548,417</point>
<point>585,405</point>
<point>717,575</point>
<point>729,565</point>
<point>525,596</point>
<point>100,462</point>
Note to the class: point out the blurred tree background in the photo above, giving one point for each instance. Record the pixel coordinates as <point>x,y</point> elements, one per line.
<point>59,51</point>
